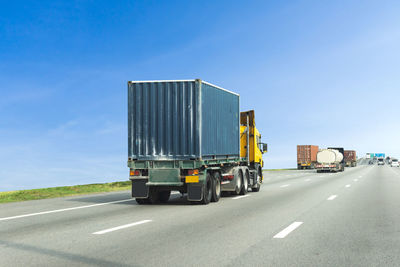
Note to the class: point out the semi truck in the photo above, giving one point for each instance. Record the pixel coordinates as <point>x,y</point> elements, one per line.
<point>350,158</point>
<point>190,136</point>
<point>306,156</point>
<point>330,160</point>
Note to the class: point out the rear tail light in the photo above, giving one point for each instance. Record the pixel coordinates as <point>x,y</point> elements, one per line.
<point>134,173</point>
<point>228,176</point>
<point>193,172</point>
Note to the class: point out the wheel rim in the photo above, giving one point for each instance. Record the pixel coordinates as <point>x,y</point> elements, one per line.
<point>218,187</point>
<point>239,183</point>
<point>209,189</point>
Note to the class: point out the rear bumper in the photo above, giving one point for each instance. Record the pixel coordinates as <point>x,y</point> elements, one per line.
<point>326,167</point>
<point>141,186</point>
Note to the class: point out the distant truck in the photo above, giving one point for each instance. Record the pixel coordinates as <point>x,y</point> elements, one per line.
<point>306,156</point>
<point>329,160</point>
<point>189,136</point>
<point>350,158</point>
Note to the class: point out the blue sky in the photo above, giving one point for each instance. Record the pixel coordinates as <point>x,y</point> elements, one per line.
<point>316,72</point>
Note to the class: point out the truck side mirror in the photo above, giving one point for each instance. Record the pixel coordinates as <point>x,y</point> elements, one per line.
<point>264,148</point>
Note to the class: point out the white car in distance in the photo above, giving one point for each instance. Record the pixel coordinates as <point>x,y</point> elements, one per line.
<point>395,163</point>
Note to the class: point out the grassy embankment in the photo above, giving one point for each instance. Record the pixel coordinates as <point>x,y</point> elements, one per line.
<point>62,191</point>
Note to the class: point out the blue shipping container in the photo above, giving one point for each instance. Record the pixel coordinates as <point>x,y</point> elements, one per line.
<point>182,120</point>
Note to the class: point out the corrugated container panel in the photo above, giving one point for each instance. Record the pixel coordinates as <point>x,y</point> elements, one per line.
<point>220,122</point>
<point>181,120</point>
<point>350,155</point>
<point>306,154</point>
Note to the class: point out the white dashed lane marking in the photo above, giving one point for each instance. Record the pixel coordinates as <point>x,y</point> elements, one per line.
<point>239,197</point>
<point>61,210</point>
<point>288,230</point>
<point>121,227</point>
<point>332,197</point>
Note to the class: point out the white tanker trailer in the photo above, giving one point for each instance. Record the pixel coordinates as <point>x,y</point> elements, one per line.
<point>330,160</point>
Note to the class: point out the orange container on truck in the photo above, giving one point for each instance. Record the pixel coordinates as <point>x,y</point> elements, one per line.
<point>306,156</point>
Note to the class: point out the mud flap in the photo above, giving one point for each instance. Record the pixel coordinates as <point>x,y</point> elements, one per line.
<point>253,177</point>
<point>195,191</point>
<point>139,188</point>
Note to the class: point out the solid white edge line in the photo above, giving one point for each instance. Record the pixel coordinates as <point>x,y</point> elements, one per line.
<point>239,197</point>
<point>288,230</point>
<point>67,209</point>
<point>285,185</point>
<point>332,197</point>
<point>121,227</point>
<point>348,185</point>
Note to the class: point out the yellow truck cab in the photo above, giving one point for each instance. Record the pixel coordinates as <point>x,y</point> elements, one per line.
<point>254,151</point>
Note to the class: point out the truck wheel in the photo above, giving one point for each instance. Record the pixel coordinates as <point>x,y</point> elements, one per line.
<point>257,186</point>
<point>142,201</point>
<point>153,195</point>
<point>207,190</point>
<point>163,196</point>
<point>245,182</point>
<point>238,186</point>
<point>216,189</point>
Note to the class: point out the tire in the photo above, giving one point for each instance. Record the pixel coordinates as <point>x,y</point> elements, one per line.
<point>238,186</point>
<point>216,188</point>
<point>245,183</point>
<point>163,196</point>
<point>207,190</point>
<point>153,195</point>
<point>142,201</point>
<point>257,186</point>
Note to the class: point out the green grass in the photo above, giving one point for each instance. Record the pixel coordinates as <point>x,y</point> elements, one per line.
<point>62,191</point>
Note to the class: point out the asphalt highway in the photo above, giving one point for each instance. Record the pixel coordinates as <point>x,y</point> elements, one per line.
<point>299,218</point>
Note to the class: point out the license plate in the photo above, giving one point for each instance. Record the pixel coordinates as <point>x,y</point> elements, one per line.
<point>192,179</point>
